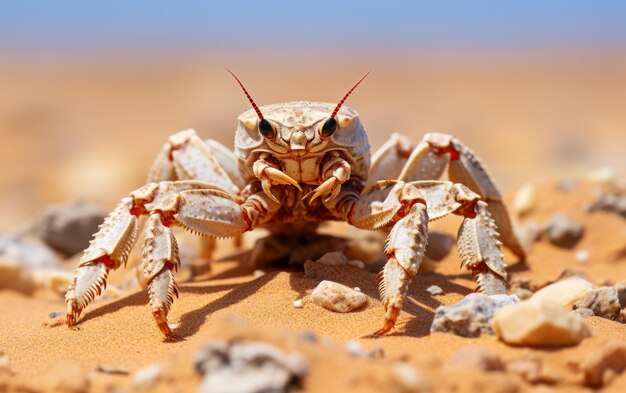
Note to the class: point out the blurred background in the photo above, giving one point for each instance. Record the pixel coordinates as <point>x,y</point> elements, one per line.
<point>89,91</point>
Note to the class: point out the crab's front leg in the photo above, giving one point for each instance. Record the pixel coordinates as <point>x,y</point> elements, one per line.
<point>269,173</point>
<point>334,172</point>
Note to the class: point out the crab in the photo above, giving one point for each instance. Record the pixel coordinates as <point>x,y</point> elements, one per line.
<point>302,162</point>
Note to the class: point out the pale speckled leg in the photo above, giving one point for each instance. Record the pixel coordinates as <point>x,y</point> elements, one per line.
<point>479,248</point>
<point>389,160</point>
<point>159,261</point>
<point>186,157</point>
<point>108,250</point>
<point>406,208</point>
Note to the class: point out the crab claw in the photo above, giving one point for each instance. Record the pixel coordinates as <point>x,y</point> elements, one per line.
<point>329,189</point>
<point>271,176</point>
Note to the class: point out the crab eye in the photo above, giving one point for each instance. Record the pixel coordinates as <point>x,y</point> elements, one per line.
<point>267,129</point>
<point>329,127</point>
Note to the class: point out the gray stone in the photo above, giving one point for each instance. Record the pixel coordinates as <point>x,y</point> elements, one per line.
<point>68,228</point>
<point>28,251</point>
<point>471,316</point>
<point>584,312</point>
<point>621,294</point>
<point>439,245</point>
<point>603,301</point>
<point>562,231</point>
<point>612,202</point>
<point>248,367</point>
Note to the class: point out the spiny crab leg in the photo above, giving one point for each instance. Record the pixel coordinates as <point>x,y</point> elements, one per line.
<point>159,260</point>
<point>480,252</point>
<point>335,171</point>
<point>108,250</point>
<point>270,176</point>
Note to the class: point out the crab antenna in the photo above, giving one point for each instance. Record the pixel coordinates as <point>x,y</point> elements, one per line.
<point>346,96</point>
<point>256,108</point>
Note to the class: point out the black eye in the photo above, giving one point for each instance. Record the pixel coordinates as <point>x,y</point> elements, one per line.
<point>329,127</point>
<point>267,129</point>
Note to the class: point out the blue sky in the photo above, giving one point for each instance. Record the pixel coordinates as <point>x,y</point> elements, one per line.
<point>303,25</point>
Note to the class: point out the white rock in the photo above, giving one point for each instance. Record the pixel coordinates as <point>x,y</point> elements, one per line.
<point>337,297</point>
<point>355,263</point>
<point>333,258</point>
<point>409,378</point>
<point>524,200</point>
<point>581,256</point>
<point>539,322</point>
<point>14,275</point>
<point>434,290</point>
<point>147,377</point>
<point>298,303</point>
<point>565,292</point>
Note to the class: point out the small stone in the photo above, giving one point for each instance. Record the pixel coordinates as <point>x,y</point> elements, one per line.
<point>309,335</point>
<point>355,263</point>
<point>584,313</point>
<point>337,297</point>
<point>604,176</point>
<point>147,377</point>
<point>604,363</point>
<point>439,245</point>
<point>564,292</point>
<point>248,367</point>
<point>522,293</point>
<point>409,378</point>
<point>539,322</point>
<point>476,358</point>
<point>612,202</point>
<point>15,276</point>
<point>567,273</point>
<point>471,316</point>
<point>581,256</point>
<point>529,369</point>
<point>298,303</point>
<point>524,200</point>
<point>258,273</point>
<point>333,258</point>
<point>434,290</point>
<point>357,289</point>
<point>55,314</point>
<point>603,302</point>
<point>621,294</point>
<point>528,232</point>
<point>103,368</point>
<point>5,364</point>
<point>562,231</point>
<point>68,228</point>
<point>354,348</point>
<point>28,251</point>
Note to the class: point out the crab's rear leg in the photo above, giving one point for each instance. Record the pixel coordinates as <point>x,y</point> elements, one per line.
<point>108,250</point>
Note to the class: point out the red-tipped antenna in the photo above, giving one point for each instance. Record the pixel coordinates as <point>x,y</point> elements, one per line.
<point>346,96</point>
<point>256,108</point>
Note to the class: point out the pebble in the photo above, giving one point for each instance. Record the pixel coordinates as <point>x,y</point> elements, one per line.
<point>603,302</point>
<point>68,228</point>
<point>15,276</point>
<point>584,312</point>
<point>5,364</point>
<point>602,176</point>
<point>562,231</point>
<point>409,378</point>
<point>147,377</point>
<point>539,322</point>
<point>612,202</point>
<point>434,290</point>
<point>337,297</point>
<point>604,363</point>
<point>103,368</point>
<point>258,273</point>
<point>524,200</point>
<point>298,303</point>
<point>565,292</point>
<point>27,250</point>
<point>471,316</point>
<point>621,294</point>
<point>248,367</point>
<point>528,232</point>
<point>439,245</point>
<point>476,358</point>
<point>581,256</point>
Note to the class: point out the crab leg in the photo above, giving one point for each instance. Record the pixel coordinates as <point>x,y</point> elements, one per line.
<point>389,160</point>
<point>108,250</point>
<point>159,259</point>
